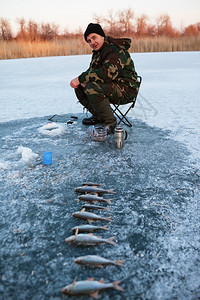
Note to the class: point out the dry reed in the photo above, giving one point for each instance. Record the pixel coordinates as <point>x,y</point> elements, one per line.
<point>76,46</point>
<point>165,44</point>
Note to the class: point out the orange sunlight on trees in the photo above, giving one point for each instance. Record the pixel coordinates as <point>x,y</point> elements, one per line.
<point>116,24</point>
<point>45,39</point>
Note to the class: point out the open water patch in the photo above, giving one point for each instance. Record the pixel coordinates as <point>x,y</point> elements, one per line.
<point>155,212</point>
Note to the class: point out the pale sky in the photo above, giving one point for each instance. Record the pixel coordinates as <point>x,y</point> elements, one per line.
<point>75,14</point>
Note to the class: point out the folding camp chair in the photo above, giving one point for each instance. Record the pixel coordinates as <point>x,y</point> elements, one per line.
<point>119,114</point>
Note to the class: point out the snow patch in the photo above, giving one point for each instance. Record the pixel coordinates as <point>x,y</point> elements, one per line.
<point>52,129</point>
<point>28,156</point>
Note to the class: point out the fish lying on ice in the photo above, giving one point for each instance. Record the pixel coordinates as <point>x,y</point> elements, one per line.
<point>88,206</point>
<point>92,190</point>
<point>90,217</point>
<point>90,287</point>
<point>97,261</point>
<point>88,239</point>
<point>93,198</point>
<point>88,228</point>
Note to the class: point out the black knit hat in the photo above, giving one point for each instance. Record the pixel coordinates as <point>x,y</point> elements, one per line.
<point>93,28</point>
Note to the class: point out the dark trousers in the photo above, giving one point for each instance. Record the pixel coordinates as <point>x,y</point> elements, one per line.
<point>97,96</point>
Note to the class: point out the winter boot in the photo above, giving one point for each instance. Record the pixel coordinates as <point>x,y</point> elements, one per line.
<point>91,121</point>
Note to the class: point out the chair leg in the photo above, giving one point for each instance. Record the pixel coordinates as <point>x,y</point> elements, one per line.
<point>122,117</point>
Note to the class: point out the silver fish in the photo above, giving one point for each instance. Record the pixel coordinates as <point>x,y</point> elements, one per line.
<point>88,239</point>
<point>89,228</point>
<point>93,198</point>
<point>90,287</point>
<point>88,206</point>
<point>92,190</point>
<point>90,217</point>
<point>97,261</point>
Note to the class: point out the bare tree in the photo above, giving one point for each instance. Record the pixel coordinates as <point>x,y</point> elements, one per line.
<point>142,26</point>
<point>5,30</point>
<point>151,30</point>
<point>164,25</point>
<point>22,34</point>
<point>49,31</point>
<point>98,19</point>
<point>33,31</point>
<point>117,24</point>
<point>192,30</point>
<point>110,23</point>
<point>125,21</point>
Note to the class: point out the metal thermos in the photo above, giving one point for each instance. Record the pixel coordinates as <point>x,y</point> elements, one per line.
<point>120,136</point>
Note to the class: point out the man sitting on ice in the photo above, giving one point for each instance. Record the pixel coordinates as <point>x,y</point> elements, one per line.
<point>110,78</point>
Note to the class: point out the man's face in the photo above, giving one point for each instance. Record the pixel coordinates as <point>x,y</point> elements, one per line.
<point>95,41</point>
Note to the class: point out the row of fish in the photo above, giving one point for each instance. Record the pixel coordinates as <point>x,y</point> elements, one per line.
<point>83,235</point>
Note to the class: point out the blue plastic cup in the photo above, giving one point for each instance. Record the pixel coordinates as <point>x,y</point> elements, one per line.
<point>47,158</point>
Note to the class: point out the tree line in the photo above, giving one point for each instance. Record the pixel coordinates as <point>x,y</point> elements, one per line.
<point>126,23</point>
<point>28,30</point>
<point>122,23</point>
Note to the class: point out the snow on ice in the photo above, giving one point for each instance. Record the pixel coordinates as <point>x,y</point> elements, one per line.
<point>52,129</point>
<point>27,154</point>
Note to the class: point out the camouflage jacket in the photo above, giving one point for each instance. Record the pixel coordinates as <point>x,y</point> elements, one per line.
<point>112,63</point>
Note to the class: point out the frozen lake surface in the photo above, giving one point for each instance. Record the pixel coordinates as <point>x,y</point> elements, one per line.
<point>155,211</point>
